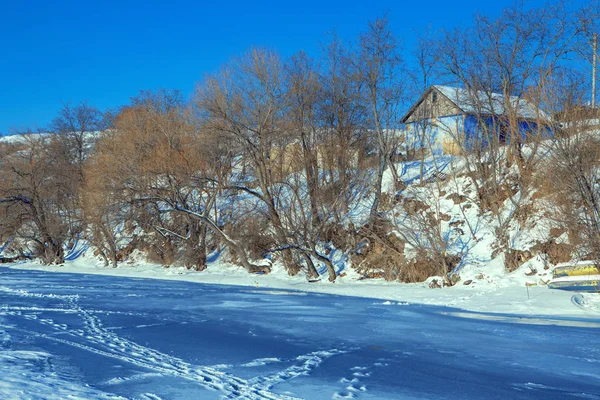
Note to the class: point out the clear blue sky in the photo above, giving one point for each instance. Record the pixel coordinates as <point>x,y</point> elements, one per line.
<point>61,51</point>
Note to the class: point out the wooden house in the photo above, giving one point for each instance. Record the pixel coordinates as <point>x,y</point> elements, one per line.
<point>450,120</point>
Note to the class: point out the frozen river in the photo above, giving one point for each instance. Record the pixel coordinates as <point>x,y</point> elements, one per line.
<point>90,337</point>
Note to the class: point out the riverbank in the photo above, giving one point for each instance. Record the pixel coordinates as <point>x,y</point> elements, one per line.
<point>491,292</point>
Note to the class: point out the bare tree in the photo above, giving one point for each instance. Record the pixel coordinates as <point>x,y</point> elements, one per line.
<point>303,96</point>
<point>78,125</point>
<point>423,76</point>
<point>162,166</point>
<point>343,140</point>
<point>245,105</point>
<point>379,69</point>
<point>571,173</point>
<point>37,195</point>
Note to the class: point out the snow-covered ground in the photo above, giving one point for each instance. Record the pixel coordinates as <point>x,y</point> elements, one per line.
<point>492,290</point>
<point>87,336</point>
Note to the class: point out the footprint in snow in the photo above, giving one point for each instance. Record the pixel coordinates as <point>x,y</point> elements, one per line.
<point>353,383</point>
<point>343,395</point>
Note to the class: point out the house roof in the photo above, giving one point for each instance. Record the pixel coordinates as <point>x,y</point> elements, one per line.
<point>481,102</point>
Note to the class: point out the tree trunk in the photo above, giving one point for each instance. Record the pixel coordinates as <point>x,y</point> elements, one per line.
<point>112,246</point>
<point>328,264</point>
<point>288,260</point>
<point>202,256</point>
<point>312,271</point>
<point>53,253</point>
<point>311,169</point>
<point>378,184</point>
<point>104,258</point>
<point>233,245</point>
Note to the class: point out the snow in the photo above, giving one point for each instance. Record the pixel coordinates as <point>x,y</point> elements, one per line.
<point>19,139</point>
<point>582,263</point>
<point>91,336</point>
<point>492,290</point>
<point>478,102</point>
<point>27,375</point>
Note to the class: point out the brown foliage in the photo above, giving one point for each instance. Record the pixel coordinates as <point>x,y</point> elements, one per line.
<point>570,180</point>
<point>557,252</point>
<point>254,233</point>
<point>38,196</point>
<point>513,259</point>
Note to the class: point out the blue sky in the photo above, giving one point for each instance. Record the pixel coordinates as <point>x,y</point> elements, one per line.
<point>105,52</point>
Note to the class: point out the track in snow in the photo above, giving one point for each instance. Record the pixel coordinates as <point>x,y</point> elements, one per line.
<point>103,337</point>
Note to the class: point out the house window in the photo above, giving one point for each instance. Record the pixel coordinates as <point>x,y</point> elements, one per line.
<point>434,97</point>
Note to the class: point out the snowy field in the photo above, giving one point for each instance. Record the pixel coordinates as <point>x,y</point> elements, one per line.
<point>91,336</point>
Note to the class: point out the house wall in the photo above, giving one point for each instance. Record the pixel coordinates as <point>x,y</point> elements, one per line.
<point>436,135</point>
<point>289,159</point>
<point>430,109</point>
<point>475,135</point>
<point>448,130</point>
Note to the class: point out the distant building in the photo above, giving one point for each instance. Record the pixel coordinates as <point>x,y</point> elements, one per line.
<point>448,119</point>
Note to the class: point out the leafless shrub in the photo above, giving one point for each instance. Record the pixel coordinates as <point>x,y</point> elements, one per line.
<point>38,196</point>
<point>573,177</point>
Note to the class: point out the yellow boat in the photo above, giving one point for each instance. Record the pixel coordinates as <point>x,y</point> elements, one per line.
<point>589,283</point>
<point>576,269</point>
